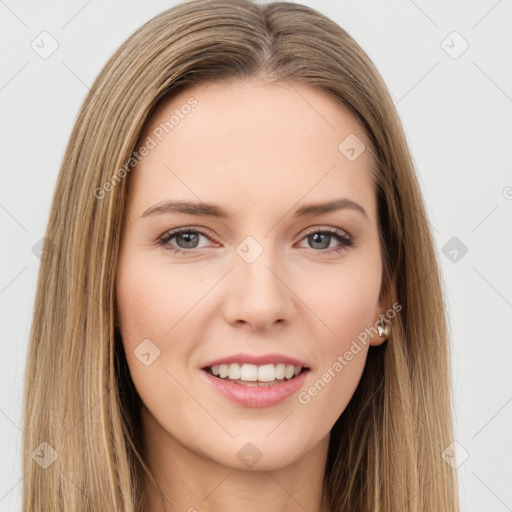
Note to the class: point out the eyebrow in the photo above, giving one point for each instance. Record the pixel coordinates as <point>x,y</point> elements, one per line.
<point>213,210</point>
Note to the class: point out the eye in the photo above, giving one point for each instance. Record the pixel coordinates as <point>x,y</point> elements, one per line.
<point>187,239</point>
<point>321,239</point>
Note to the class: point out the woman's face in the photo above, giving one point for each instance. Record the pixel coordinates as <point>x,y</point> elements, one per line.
<point>264,278</point>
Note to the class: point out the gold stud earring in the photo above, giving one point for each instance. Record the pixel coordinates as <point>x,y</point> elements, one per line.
<point>384,329</point>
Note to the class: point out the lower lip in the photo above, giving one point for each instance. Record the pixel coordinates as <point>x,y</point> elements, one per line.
<point>256,396</point>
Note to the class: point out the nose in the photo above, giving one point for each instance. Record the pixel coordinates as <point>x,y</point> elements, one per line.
<point>257,293</point>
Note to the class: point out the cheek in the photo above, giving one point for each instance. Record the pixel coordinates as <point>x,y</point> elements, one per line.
<point>150,301</point>
<point>352,310</point>
<point>152,308</point>
<point>344,303</point>
<point>155,305</point>
<point>344,299</point>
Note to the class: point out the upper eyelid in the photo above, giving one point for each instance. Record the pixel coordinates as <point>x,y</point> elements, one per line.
<point>329,229</point>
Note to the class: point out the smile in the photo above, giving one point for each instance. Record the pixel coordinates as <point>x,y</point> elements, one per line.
<point>249,388</point>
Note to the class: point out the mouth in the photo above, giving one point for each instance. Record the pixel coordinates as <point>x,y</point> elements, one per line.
<point>252,376</point>
<point>252,386</point>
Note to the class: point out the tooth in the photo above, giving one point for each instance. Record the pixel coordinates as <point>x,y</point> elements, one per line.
<point>288,373</point>
<point>234,371</point>
<point>266,373</point>
<point>223,369</point>
<point>253,373</point>
<point>280,368</point>
<point>249,372</point>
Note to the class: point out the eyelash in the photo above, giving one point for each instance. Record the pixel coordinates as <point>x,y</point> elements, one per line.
<point>346,241</point>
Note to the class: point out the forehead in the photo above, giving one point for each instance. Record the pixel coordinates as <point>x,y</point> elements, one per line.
<point>252,142</point>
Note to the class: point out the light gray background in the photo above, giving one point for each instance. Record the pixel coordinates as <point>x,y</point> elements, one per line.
<point>457,113</point>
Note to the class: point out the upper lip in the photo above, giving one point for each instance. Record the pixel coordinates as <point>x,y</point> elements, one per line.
<point>257,360</point>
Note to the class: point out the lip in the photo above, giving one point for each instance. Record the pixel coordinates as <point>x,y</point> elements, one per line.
<point>257,360</point>
<point>256,396</point>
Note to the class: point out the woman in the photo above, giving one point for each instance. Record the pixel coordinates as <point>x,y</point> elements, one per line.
<point>240,304</point>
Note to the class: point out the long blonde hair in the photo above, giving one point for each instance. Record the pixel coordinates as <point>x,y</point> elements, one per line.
<point>81,410</point>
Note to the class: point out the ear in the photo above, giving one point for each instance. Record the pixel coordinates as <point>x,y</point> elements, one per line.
<point>382,307</point>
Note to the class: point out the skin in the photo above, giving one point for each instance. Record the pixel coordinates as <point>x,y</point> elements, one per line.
<point>260,151</point>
